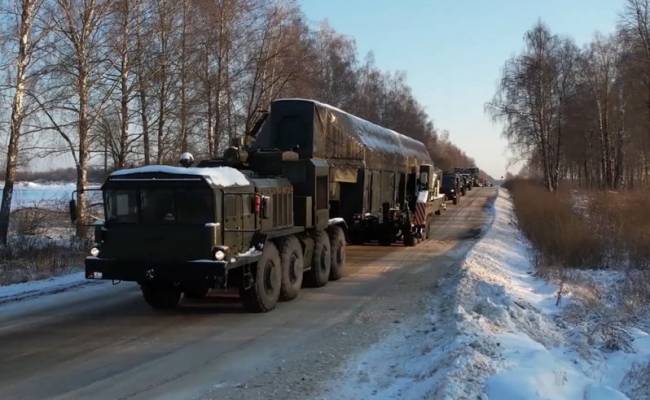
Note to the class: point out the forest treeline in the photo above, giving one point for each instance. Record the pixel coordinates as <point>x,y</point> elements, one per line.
<point>581,114</point>
<point>129,82</point>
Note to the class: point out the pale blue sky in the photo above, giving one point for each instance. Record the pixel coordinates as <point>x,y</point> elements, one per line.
<point>452,51</point>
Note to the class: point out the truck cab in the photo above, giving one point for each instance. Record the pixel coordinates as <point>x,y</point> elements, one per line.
<point>451,186</point>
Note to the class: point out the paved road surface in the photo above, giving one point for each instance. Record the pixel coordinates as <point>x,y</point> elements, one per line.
<point>103,341</point>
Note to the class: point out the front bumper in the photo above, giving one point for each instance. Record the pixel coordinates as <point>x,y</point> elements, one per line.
<point>206,271</point>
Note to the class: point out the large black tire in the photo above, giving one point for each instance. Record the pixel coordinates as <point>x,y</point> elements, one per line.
<point>159,295</point>
<point>357,237</point>
<point>291,259</point>
<point>386,237</point>
<point>427,229</point>
<point>321,262</point>
<point>409,238</point>
<point>337,248</point>
<point>455,200</point>
<point>263,295</point>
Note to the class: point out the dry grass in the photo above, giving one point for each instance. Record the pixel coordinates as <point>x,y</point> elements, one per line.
<point>589,229</point>
<point>33,257</point>
<point>562,237</point>
<point>622,220</point>
<point>29,221</point>
<point>40,245</point>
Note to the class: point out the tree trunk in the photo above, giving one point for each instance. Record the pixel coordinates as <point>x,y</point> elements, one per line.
<point>142,92</point>
<point>124,83</point>
<point>17,115</point>
<point>144,119</point>
<point>82,167</point>
<point>183,88</point>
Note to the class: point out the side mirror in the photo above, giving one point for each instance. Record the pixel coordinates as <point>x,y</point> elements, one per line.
<point>72,207</point>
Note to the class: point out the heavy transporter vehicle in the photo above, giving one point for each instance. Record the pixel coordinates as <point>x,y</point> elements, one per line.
<point>452,186</point>
<point>278,206</point>
<point>471,176</point>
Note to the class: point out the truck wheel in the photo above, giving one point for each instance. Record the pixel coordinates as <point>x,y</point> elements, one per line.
<point>409,238</point>
<point>321,263</point>
<point>427,229</point>
<point>291,259</point>
<point>265,292</point>
<point>357,237</point>
<point>456,201</point>
<point>162,296</point>
<point>386,237</point>
<point>337,243</point>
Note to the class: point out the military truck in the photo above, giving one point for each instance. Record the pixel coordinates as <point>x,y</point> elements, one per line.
<point>376,174</point>
<point>452,186</point>
<point>470,176</point>
<point>276,207</point>
<point>185,230</point>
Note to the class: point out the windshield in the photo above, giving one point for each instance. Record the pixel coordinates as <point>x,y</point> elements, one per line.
<point>159,206</point>
<point>448,180</point>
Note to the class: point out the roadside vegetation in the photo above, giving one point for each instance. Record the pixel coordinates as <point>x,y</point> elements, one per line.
<point>41,245</point>
<point>562,236</point>
<point>577,116</point>
<point>589,230</point>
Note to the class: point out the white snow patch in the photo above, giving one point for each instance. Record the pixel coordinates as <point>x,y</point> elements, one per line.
<point>337,220</point>
<point>45,195</point>
<point>252,252</point>
<point>218,176</point>
<point>20,291</point>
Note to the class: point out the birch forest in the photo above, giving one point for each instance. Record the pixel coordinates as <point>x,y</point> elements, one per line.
<point>581,114</point>
<point>109,84</point>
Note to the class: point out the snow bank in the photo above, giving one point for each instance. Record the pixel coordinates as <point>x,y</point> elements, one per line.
<point>495,332</point>
<point>21,291</point>
<point>541,355</point>
<point>217,176</point>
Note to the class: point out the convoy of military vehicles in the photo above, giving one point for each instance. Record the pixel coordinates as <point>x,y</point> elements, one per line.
<point>277,208</point>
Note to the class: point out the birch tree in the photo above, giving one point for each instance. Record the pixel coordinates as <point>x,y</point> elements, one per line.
<point>81,68</point>
<point>26,42</point>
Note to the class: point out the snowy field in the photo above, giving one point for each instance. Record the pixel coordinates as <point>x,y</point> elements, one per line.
<point>495,331</point>
<point>45,195</point>
<point>52,195</point>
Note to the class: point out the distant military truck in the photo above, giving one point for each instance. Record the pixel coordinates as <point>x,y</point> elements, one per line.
<point>471,176</point>
<point>452,186</point>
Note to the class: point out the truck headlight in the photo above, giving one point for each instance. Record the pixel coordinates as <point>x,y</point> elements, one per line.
<point>452,190</point>
<point>219,254</point>
<point>94,252</point>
